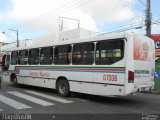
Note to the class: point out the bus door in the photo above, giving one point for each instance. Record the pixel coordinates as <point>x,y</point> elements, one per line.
<point>5,62</point>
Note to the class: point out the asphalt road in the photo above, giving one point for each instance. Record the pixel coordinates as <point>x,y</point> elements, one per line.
<point>41,101</point>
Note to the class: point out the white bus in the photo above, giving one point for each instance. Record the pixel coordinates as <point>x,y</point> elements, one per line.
<point>118,64</point>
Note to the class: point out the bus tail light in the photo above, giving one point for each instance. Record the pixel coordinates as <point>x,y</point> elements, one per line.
<point>130,77</point>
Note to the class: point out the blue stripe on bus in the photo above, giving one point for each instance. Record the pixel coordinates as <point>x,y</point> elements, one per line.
<point>121,72</point>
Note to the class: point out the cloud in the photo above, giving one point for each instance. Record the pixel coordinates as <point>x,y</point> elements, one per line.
<point>155,28</point>
<point>111,11</point>
<point>5,6</point>
<point>2,37</point>
<point>87,11</point>
<point>28,9</point>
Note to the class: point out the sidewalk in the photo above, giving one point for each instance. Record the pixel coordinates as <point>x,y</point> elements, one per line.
<point>155,91</point>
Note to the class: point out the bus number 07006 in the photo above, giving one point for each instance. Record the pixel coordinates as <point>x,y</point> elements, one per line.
<point>110,77</point>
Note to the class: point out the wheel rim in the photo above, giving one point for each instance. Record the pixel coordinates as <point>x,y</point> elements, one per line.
<point>14,81</point>
<point>62,88</point>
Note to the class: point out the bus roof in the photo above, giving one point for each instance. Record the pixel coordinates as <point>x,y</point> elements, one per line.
<point>90,39</point>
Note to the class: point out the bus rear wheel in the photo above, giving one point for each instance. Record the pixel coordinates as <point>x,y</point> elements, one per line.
<point>63,88</point>
<point>14,81</point>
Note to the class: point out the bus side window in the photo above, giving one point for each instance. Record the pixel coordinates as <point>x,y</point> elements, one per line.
<point>109,52</point>
<point>23,57</point>
<point>62,54</point>
<point>46,56</point>
<point>14,58</point>
<point>83,54</point>
<point>33,58</point>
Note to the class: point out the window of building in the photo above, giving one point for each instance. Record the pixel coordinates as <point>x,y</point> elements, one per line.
<point>23,57</point>
<point>62,54</point>
<point>14,58</point>
<point>83,53</point>
<point>33,58</point>
<point>46,55</point>
<point>109,52</point>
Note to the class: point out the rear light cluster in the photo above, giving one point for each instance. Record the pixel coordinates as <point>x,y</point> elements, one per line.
<point>130,77</point>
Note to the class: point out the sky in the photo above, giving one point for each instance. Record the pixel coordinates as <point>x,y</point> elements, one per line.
<point>34,18</point>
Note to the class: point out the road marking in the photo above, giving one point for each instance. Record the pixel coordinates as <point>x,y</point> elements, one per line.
<point>13,103</point>
<point>48,96</point>
<point>80,99</point>
<point>30,98</point>
<point>111,96</point>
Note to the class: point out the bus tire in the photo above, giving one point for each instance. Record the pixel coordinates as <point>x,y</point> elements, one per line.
<point>14,81</point>
<point>63,88</point>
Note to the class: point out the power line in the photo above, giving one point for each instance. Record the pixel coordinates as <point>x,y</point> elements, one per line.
<point>9,35</point>
<point>66,7</point>
<point>156,22</point>
<point>125,29</point>
<point>53,15</point>
<point>129,28</point>
<point>49,14</point>
<point>43,15</point>
<point>131,24</point>
<point>57,11</point>
<point>142,3</point>
<point>128,4</point>
<point>122,30</point>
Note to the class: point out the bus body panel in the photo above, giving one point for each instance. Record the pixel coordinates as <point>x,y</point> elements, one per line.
<point>140,60</point>
<point>144,62</point>
<point>82,82</point>
<point>45,76</point>
<point>41,82</point>
<point>110,82</point>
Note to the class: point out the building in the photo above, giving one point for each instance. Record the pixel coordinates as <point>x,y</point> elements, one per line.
<point>156,38</point>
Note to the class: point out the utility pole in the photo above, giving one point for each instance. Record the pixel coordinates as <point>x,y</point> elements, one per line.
<point>17,36</point>
<point>148,19</point>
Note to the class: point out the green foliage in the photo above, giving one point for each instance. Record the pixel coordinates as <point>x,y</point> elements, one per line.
<point>157,84</point>
<point>157,64</point>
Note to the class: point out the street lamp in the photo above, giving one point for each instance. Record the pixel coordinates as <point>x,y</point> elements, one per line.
<point>17,36</point>
<point>8,35</point>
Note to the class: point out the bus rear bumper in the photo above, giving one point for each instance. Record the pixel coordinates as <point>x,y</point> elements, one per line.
<point>144,88</point>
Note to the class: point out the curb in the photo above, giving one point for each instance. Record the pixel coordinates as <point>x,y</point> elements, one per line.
<point>153,92</point>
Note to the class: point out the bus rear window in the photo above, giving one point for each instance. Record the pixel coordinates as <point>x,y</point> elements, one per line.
<point>109,52</point>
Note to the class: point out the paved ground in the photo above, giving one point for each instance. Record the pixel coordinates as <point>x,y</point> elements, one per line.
<point>34,100</point>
